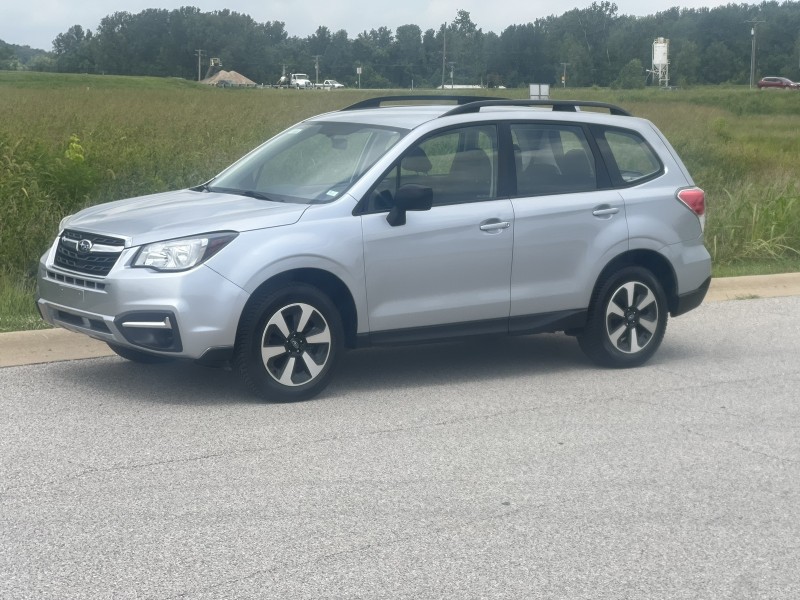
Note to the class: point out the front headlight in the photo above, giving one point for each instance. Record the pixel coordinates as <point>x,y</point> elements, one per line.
<point>183,253</point>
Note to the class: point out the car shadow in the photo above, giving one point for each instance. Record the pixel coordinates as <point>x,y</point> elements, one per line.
<point>476,360</point>
<point>173,383</point>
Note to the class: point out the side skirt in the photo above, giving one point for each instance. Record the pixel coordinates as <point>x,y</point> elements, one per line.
<point>568,320</point>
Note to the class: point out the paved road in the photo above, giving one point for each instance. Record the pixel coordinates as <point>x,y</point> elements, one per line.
<point>502,468</point>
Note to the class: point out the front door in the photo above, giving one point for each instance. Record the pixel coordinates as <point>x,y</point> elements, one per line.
<point>451,265</point>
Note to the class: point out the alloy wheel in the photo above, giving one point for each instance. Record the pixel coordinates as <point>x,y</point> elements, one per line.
<point>296,344</point>
<point>631,317</point>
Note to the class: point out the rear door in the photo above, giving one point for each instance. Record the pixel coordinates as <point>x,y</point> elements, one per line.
<point>568,222</point>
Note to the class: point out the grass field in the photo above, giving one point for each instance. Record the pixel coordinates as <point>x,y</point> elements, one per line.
<point>68,141</point>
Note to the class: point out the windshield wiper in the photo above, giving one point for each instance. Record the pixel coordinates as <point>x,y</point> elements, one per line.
<point>248,193</point>
<point>255,194</point>
<point>203,187</point>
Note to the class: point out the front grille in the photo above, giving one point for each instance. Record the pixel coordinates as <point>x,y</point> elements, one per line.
<point>77,281</point>
<point>88,253</point>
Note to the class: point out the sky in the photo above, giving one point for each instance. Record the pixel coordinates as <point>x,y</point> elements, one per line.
<point>36,23</point>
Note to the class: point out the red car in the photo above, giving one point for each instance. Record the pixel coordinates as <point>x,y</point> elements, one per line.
<point>778,82</point>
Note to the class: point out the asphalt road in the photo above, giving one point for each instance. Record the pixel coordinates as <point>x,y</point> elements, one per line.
<point>496,468</point>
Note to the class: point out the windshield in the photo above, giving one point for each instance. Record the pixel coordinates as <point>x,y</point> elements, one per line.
<point>310,163</point>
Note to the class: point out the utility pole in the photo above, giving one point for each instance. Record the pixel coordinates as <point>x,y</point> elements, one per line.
<point>564,74</point>
<point>199,61</point>
<point>753,22</point>
<point>316,67</point>
<point>444,50</point>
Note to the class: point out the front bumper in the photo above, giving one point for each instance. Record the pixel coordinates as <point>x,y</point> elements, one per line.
<point>187,314</point>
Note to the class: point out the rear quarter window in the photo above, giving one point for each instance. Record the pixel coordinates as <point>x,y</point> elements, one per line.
<point>635,159</point>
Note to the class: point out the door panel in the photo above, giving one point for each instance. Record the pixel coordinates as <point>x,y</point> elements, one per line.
<point>560,247</point>
<point>443,266</point>
<point>565,228</point>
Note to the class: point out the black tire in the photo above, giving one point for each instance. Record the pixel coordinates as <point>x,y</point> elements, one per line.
<point>138,356</point>
<point>627,319</point>
<point>288,343</point>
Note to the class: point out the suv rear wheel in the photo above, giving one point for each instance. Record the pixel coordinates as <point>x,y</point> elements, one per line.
<point>627,319</point>
<point>288,343</point>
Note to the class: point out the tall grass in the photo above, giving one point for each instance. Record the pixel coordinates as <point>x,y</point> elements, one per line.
<point>71,146</point>
<point>748,166</point>
<point>69,141</point>
<point>17,309</point>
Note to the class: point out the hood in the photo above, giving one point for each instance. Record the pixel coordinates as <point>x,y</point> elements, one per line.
<point>183,213</point>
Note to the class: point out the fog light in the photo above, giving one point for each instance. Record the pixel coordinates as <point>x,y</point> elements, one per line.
<point>152,330</point>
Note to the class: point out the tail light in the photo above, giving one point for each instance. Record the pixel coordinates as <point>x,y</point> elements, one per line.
<point>695,200</point>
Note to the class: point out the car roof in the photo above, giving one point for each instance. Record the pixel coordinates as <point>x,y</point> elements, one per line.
<point>402,117</point>
<point>411,116</point>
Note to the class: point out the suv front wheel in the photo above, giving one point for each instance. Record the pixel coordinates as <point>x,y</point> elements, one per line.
<point>627,319</point>
<point>288,343</point>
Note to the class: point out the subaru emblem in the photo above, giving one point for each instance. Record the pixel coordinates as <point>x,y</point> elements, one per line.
<point>84,246</point>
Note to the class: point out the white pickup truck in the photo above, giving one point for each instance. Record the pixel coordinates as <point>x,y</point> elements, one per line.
<point>300,80</point>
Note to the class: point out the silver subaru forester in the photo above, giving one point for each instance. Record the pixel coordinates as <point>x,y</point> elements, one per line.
<point>399,219</point>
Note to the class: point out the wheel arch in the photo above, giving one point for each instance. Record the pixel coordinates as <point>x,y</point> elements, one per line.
<point>327,283</point>
<point>652,261</point>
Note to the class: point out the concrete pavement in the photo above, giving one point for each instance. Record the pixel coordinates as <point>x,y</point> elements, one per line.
<point>49,345</point>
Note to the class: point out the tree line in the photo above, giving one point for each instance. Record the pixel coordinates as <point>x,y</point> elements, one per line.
<point>588,46</point>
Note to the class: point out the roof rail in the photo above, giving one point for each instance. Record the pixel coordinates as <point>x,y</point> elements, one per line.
<point>419,98</point>
<point>557,106</point>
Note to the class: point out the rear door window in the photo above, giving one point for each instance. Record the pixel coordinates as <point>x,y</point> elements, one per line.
<point>552,159</point>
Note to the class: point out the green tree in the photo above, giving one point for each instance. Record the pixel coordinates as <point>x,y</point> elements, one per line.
<point>523,54</point>
<point>685,68</point>
<point>72,50</point>
<point>432,53</point>
<point>470,48</point>
<point>719,63</point>
<point>585,34</point>
<point>338,58</point>
<point>406,56</point>
<point>8,58</point>
<point>709,46</point>
<point>319,41</point>
<point>631,76</point>
<point>580,66</point>
<point>42,62</point>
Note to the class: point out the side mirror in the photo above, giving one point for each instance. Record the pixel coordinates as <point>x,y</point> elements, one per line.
<point>409,197</point>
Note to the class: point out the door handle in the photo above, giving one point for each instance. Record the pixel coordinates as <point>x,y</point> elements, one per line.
<point>602,211</point>
<point>495,226</point>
